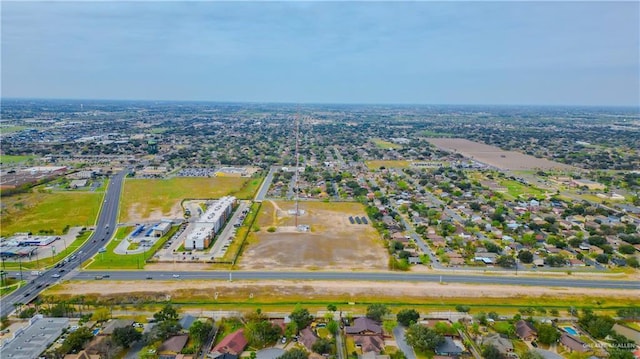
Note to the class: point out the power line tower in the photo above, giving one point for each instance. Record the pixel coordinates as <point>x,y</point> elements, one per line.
<point>297,188</point>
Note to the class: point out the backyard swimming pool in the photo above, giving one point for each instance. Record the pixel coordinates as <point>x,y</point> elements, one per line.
<point>570,330</point>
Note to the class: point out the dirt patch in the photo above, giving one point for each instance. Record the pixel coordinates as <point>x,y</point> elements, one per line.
<point>135,216</point>
<point>494,156</point>
<point>332,242</point>
<point>347,290</point>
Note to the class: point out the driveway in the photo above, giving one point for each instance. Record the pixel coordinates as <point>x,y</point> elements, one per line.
<point>398,334</point>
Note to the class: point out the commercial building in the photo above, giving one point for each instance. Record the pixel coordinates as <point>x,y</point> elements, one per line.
<point>210,223</point>
<point>161,229</point>
<point>30,342</point>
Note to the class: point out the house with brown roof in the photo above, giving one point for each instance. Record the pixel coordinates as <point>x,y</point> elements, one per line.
<point>572,343</point>
<point>526,330</point>
<point>171,347</point>
<point>307,338</point>
<point>233,343</point>
<point>501,343</point>
<point>364,326</point>
<point>369,343</point>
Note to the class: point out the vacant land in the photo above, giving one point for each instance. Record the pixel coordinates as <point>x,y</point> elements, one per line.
<point>48,211</point>
<point>375,165</point>
<point>238,293</point>
<point>517,189</point>
<point>10,159</point>
<point>385,145</point>
<point>494,156</point>
<point>332,243</point>
<point>153,199</point>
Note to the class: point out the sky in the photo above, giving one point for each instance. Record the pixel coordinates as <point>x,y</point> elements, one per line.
<point>525,53</point>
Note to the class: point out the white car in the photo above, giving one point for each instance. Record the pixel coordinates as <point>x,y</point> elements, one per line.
<point>176,276</point>
<point>56,275</point>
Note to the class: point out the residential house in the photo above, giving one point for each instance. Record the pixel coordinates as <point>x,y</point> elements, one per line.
<point>572,343</point>
<point>369,343</point>
<point>526,330</point>
<point>373,355</point>
<point>501,343</point>
<point>114,324</point>
<point>186,321</point>
<point>449,347</point>
<point>171,347</point>
<point>307,337</point>
<point>364,326</point>
<point>233,343</point>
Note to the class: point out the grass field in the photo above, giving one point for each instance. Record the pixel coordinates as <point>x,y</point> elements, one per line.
<point>10,159</point>
<point>110,260</point>
<point>385,145</point>
<point>142,197</point>
<point>44,211</point>
<point>11,129</point>
<point>248,190</point>
<point>516,189</point>
<point>375,165</point>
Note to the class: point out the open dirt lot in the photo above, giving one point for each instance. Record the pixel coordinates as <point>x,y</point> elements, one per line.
<point>347,290</point>
<point>332,243</point>
<point>494,156</point>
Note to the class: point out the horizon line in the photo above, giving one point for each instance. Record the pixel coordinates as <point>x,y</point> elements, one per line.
<point>636,106</point>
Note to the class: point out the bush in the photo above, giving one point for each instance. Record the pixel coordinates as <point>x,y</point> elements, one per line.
<point>271,229</point>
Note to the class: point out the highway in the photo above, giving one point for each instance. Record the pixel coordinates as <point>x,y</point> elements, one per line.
<point>105,228</point>
<point>360,276</point>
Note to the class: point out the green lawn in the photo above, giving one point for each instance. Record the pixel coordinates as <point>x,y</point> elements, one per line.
<point>385,145</point>
<point>110,260</point>
<point>515,189</point>
<point>11,129</point>
<point>48,211</point>
<point>375,165</point>
<point>143,196</point>
<point>11,159</point>
<point>248,190</point>
<point>437,134</point>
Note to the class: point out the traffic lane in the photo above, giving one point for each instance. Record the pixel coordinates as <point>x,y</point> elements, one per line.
<point>472,279</point>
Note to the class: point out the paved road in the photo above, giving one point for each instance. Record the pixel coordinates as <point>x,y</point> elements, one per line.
<point>398,333</point>
<point>365,276</point>
<point>104,230</point>
<point>264,188</point>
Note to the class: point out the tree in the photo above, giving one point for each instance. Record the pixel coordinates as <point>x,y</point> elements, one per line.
<point>101,314</point>
<point>76,340</point>
<point>463,308</point>
<point>295,353</point>
<point>506,261</point>
<point>491,352</point>
<point>602,258</point>
<point>333,327</point>
<point>301,317</point>
<point>168,312</point>
<point>547,334</point>
<point>525,257</point>
<point>633,262</point>
<point>377,311</point>
<point>260,334</point>
<point>423,338</point>
<point>332,307</point>
<point>407,317</point>
<point>125,336</point>
<point>322,346</point>
<point>199,331</point>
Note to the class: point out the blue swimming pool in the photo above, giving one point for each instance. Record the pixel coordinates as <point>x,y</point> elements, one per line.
<point>570,330</point>
<point>96,331</point>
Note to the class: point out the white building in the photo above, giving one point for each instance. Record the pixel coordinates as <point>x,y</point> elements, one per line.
<point>210,223</point>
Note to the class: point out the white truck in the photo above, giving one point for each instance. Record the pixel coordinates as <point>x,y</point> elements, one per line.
<point>36,272</point>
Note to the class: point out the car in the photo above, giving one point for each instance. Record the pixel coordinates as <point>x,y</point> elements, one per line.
<point>534,344</point>
<point>176,276</point>
<point>106,276</point>
<point>27,294</point>
<point>149,277</point>
<point>61,270</point>
<point>284,340</point>
<point>56,275</point>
